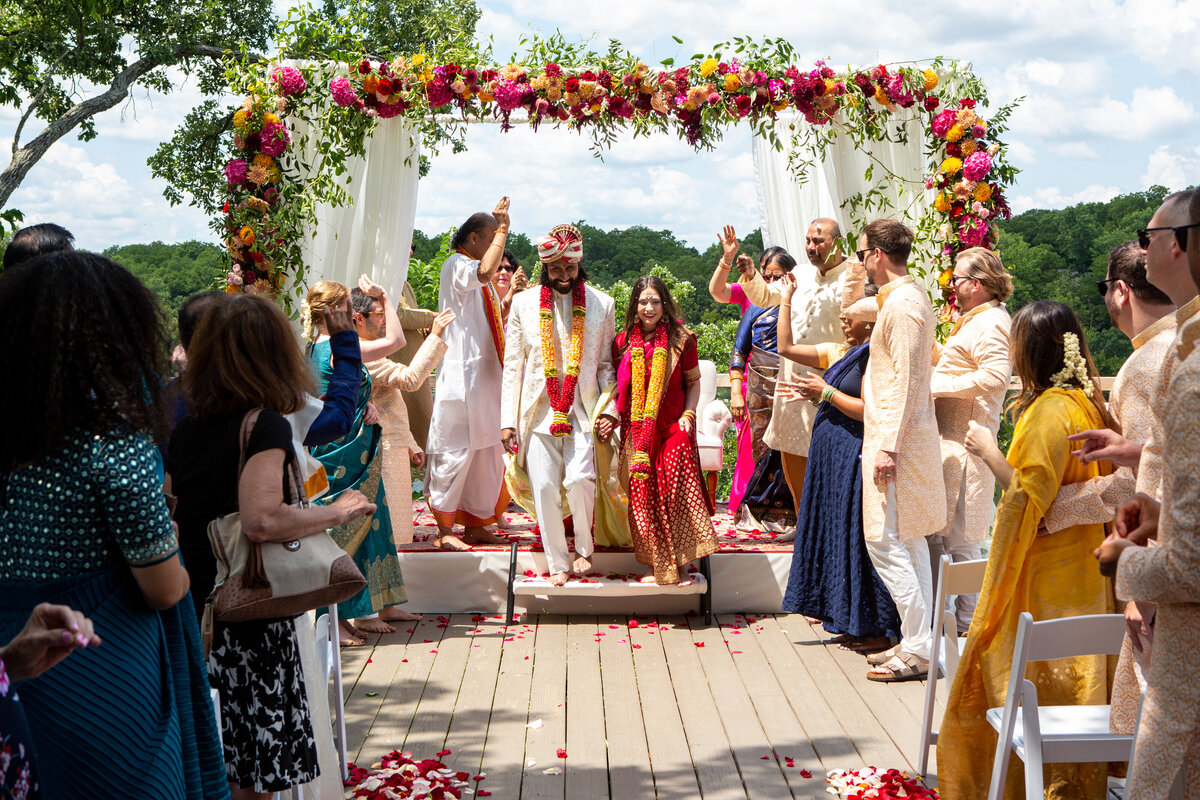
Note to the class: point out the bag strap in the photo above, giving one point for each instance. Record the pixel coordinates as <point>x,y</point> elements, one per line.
<point>248,423</point>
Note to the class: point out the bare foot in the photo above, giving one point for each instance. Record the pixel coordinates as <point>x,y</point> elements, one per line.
<point>448,541</point>
<point>348,636</point>
<point>581,566</point>
<point>559,578</point>
<point>373,626</point>
<point>395,614</point>
<point>482,536</point>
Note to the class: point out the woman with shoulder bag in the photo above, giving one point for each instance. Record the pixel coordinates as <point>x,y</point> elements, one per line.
<point>246,370</point>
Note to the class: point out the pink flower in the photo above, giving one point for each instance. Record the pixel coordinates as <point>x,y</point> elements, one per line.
<point>973,232</point>
<point>508,95</point>
<point>288,81</point>
<point>977,166</point>
<point>274,138</point>
<point>236,171</point>
<point>343,93</point>
<point>438,92</point>
<point>553,70</point>
<point>943,122</point>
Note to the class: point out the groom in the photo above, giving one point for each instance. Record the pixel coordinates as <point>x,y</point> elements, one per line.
<point>557,363</point>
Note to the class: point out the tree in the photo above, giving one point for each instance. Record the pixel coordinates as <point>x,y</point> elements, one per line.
<point>62,62</point>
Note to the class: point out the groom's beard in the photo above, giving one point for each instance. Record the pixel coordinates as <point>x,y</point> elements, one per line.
<point>566,288</point>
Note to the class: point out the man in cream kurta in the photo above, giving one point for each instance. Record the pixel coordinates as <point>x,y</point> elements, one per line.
<point>819,300</point>
<point>464,474</point>
<point>901,457</point>
<point>972,373</point>
<point>567,462</point>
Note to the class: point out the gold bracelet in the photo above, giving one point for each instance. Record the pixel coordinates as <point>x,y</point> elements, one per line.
<point>690,415</point>
<point>723,265</point>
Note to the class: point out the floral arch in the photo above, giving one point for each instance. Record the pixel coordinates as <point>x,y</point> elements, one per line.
<point>273,190</point>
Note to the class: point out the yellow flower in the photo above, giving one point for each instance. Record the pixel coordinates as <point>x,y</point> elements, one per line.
<point>258,204</point>
<point>270,119</point>
<point>264,160</point>
<point>952,166</point>
<point>427,76</point>
<point>942,202</point>
<point>983,192</point>
<point>246,235</point>
<point>484,97</point>
<point>257,175</point>
<point>231,289</point>
<point>370,84</point>
<point>708,66</point>
<point>273,174</point>
<point>239,118</point>
<point>944,277</point>
<point>881,96</point>
<point>541,83</point>
<point>732,84</point>
<point>954,134</point>
<point>418,59</point>
<point>931,80</point>
<point>587,89</point>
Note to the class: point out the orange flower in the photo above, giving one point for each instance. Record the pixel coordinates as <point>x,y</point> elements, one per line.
<point>942,202</point>
<point>246,235</point>
<point>370,84</point>
<point>931,80</point>
<point>983,192</point>
<point>954,134</point>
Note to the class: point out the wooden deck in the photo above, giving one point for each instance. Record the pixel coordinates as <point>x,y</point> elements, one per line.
<point>675,710</point>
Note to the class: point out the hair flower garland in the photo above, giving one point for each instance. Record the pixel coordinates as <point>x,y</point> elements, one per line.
<point>1074,374</point>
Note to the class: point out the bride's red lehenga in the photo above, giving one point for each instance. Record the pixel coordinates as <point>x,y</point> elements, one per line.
<point>672,520</point>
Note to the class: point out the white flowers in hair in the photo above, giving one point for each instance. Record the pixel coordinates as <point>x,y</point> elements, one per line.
<point>1074,369</point>
<point>306,321</point>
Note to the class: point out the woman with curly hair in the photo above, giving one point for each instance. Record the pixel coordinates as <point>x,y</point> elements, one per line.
<point>658,388</point>
<point>84,522</point>
<point>1050,576</point>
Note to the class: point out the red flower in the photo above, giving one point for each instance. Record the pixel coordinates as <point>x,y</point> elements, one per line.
<point>967,102</point>
<point>364,67</point>
<point>743,104</point>
<point>561,753</point>
<point>699,644</point>
<point>587,75</point>
<point>931,103</point>
<point>488,75</point>
<point>553,70</point>
<point>805,773</point>
<point>572,84</point>
<point>452,70</point>
<point>385,87</point>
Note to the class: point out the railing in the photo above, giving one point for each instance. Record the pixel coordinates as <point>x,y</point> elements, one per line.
<point>1106,384</point>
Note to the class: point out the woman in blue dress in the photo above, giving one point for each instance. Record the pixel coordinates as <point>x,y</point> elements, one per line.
<point>84,523</point>
<point>832,579</point>
<point>352,462</point>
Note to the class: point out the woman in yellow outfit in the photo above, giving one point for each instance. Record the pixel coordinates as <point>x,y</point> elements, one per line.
<point>1050,576</point>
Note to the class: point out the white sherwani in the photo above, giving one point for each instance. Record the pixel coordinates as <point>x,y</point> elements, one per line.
<point>557,465</point>
<point>816,306</point>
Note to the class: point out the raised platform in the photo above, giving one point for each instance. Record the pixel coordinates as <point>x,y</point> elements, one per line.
<point>749,574</point>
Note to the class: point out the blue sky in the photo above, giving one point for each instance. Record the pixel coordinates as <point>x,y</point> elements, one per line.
<point>1112,106</point>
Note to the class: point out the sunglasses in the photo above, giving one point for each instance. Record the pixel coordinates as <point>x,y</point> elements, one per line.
<point>508,268</point>
<point>954,279</point>
<point>862,254</point>
<point>1143,235</point>
<point>1102,286</point>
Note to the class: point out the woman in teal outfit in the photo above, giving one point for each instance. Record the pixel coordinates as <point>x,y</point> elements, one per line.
<point>351,463</point>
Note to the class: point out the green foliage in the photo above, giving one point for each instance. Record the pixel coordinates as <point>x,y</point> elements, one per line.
<point>174,272</point>
<point>424,275</point>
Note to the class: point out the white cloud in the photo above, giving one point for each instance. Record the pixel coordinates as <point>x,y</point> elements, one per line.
<point>1077,150</point>
<point>1053,197</point>
<point>1150,114</point>
<point>1171,168</point>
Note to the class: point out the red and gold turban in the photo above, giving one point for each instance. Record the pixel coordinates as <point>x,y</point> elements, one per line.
<point>563,241</point>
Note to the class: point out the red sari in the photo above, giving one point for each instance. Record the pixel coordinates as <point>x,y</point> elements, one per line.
<point>672,526</point>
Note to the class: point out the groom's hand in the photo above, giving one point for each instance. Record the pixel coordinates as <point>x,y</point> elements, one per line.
<point>605,427</point>
<point>508,439</point>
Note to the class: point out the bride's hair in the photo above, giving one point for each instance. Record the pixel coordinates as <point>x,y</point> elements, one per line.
<point>322,295</point>
<point>671,313</point>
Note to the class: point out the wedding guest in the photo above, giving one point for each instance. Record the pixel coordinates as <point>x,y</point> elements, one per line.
<point>815,310</point>
<point>415,322</point>
<point>832,579</point>
<point>1168,734</point>
<point>352,464</point>
<point>557,364</point>
<point>84,523</point>
<point>510,280</point>
<point>1048,576</point>
<point>399,451</point>
<point>900,447</point>
<point>237,404</point>
<point>658,388</point>
<point>37,240</point>
<point>464,468</point>
<point>723,291</point>
<point>970,378</point>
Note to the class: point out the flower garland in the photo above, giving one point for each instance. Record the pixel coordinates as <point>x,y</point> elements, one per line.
<point>1074,374</point>
<point>870,783</point>
<point>643,409</point>
<point>562,395</point>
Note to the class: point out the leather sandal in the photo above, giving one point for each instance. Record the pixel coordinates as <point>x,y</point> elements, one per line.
<point>900,667</point>
<point>883,656</point>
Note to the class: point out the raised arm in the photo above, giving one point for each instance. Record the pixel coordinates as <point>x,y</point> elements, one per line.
<point>393,335</point>
<point>495,251</point>
<point>407,377</point>
<point>718,284</point>
<point>805,354</point>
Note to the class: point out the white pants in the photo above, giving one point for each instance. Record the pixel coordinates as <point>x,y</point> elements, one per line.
<point>959,549</point>
<point>904,569</point>
<point>464,486</point>
<point>557,464</point>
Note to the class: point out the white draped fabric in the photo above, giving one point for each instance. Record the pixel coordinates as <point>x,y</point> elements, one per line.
<point>372,234</point>
<point>786,207</point>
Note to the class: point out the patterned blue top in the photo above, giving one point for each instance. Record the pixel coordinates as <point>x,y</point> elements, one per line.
<point>94,504</point>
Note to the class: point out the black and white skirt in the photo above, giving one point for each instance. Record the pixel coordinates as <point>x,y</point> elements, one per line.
<point>265,724</point>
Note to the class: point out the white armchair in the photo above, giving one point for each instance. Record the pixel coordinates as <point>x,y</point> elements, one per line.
<point>713,420</point>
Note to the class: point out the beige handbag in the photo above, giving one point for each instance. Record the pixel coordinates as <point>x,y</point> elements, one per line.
<point>268,580</point>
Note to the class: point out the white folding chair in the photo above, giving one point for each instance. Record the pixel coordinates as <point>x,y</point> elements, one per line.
<point>329,661</point>
<point>216,701</point>
<point>1055,734</point>
<point>965,577</point>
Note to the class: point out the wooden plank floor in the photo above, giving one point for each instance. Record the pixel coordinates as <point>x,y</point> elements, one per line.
<point>623,707</point>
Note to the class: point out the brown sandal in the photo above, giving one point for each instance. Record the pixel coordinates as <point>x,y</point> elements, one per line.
<point>900,667</point>
<point>883,656</point>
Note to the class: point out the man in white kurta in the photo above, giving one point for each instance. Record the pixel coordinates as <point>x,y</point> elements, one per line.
<point>972,373</point>
<point>901,456</point>
<point>816,305</point>
<point>464,474</point>
<point>563,462</point>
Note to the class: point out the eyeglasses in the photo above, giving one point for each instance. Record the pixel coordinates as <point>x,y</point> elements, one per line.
<point>1143,235</point>
<point>862,254</point>
<point>954,279</point>
<point>370,313</point>
<point>508,268</point>
<point>1102,286</point>
<point>771,278</point>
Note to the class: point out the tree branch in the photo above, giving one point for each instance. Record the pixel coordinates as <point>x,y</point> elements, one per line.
<point>24,159</point>
<point>37,98</point>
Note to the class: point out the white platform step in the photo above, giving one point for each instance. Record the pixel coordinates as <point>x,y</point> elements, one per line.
<point>604,587</point>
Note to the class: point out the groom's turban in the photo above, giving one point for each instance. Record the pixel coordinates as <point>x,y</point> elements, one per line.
<point>563,241</point>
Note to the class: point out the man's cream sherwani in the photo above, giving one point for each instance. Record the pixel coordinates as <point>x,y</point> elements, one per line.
<point>524,401</point>
<point>1170,576</point>
<point>899,415</point>
<point>972,374</point>
<point>1151,465</point>
<point>816,305</point>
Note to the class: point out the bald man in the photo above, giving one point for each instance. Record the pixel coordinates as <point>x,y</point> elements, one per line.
<point>814,313</point>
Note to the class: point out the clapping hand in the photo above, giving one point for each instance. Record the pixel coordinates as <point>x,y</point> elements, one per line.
<point>501,213</point>
<point>440,322</point>
<point>729,244</point>
<point>810,387</point>
<point>1109,553</point>
<point>370,288</point>
<point>745,265</point>
<point>787,286</point>
<point>519,282</point>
